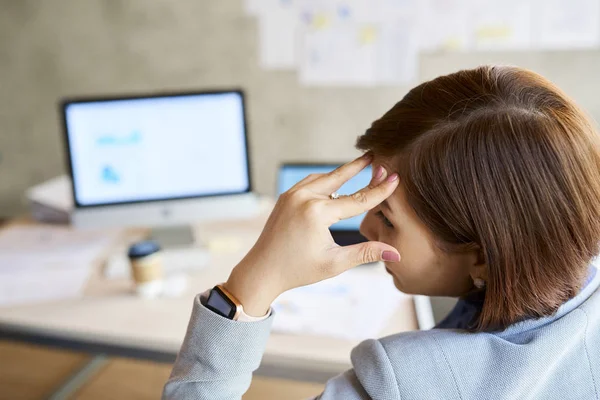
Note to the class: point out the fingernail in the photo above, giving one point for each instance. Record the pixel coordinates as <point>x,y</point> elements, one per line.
<point>392,177</point>
<point>367,156</point>
<point>390,256</point>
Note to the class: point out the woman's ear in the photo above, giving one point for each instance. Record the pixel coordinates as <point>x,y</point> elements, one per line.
<point>479,270</point>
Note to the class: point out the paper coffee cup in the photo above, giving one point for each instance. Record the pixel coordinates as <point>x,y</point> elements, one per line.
<point>146,268</point>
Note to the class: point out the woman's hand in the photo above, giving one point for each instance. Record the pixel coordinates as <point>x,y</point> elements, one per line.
<point>296,247</point>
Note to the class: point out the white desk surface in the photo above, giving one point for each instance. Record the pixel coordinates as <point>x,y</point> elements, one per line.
<point>110,314</point>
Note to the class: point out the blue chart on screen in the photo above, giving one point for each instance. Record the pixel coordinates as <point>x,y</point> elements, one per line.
<point>109,175</point>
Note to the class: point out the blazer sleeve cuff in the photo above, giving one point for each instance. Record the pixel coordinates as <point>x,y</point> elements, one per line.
<point>215,346</point>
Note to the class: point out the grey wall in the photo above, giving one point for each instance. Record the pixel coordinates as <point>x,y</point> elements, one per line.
<point>50,49</point>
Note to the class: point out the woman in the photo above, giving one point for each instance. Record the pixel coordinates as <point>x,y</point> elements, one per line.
<point>486,187</point>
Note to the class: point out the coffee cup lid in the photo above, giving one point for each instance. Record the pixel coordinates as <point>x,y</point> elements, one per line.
<point>143,249</point>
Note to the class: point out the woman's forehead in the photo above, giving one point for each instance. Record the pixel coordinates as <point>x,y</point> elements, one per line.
<point>396,200</point>
<point>386,162</point>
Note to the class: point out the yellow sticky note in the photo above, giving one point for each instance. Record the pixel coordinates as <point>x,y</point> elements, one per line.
<point>320,21</point>
<point>452,44</point>
<point>223,244</point>
<point>367,35</point>
<point>493,32</point>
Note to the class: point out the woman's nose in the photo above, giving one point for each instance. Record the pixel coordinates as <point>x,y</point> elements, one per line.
<point>367,227</point>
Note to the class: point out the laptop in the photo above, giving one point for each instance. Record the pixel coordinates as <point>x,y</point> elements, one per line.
<point>345,232</point>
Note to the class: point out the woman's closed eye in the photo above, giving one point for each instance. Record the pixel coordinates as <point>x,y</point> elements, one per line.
<point>384,219</point>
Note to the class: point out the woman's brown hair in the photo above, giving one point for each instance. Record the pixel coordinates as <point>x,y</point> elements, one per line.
<point>499,159</point>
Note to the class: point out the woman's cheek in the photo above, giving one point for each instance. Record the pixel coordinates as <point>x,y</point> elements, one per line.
<point>397,271</point>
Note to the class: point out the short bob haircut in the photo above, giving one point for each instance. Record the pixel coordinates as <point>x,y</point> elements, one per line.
<point>499,159</point>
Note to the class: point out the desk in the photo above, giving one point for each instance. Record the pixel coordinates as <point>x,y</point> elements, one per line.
<point>109,320</point>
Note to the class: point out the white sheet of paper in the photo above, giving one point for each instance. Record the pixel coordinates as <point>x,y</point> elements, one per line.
<point>35,280</point>
<point>377,42</point>
<point>54,242</point>
<point>392,10</point>
<point>566,24</point>
<point>355,305</point>
<point>277,34</point>
<point>358,54</point>
<point>339,55</point>
<point>398,53</point>
<point>40,263</point>
<point>444,25</point>
<point>501,25</point>
<point>361,10</point>
<point>253,7</point>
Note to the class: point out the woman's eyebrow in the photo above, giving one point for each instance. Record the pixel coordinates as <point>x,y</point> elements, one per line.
<point>386,205</point>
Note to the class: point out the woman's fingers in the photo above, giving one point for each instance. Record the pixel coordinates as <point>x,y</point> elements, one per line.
<point>329,183</point>
<point>365,199</point>
<point>308,179</point>
<point>347,257</point>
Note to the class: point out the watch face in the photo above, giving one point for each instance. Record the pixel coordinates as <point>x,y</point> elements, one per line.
<point>219,303</point>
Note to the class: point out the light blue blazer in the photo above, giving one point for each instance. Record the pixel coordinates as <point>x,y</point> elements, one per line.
<point>556,357</point>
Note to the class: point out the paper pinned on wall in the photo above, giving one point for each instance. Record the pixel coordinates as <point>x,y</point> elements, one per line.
<point>253,7</point>
<point>377,42</point>
<point>277,32</point>
<point>566,24</point>
<point>340,42</point>
<point>348,306</point>
<point>339,55</point>
<point>504,25</point>
<point>444,25</point>
<point>398,53</point>
<point>394,10</point>
<point>358,54</point>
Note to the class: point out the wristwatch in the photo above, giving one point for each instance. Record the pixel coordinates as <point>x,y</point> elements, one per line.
<point>222,302</point>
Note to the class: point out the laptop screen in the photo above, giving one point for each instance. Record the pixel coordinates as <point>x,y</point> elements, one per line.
<point>290,174</point>
<point>157,147</point>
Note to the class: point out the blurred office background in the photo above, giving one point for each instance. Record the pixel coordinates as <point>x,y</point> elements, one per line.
<point>51,49</point>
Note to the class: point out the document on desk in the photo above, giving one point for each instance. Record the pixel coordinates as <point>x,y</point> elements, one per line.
<point>41,263</point>
<point>355,305</point>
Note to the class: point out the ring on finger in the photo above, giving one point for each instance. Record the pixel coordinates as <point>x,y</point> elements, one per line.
<point>336,195</point>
